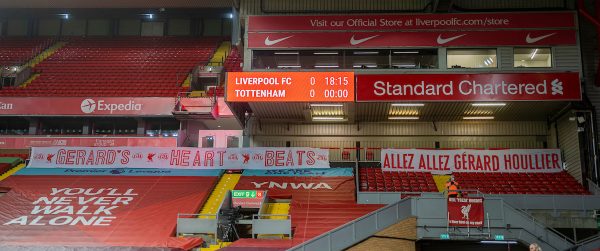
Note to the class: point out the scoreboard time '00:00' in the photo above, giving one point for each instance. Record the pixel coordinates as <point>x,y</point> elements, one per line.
<point>290,87</point>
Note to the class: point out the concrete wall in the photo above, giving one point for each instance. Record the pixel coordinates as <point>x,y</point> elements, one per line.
<point>98,27</point>
<point>48,27</point>
<point>179,27</point>
<point>17,27</point>
<point>74,27</point>
<point>153,28</point>
<point>212,27</point>
<point>129,27</point>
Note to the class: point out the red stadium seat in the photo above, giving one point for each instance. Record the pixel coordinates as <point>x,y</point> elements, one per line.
<point>127,66</point>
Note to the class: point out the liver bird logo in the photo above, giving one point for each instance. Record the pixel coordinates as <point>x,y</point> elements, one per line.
<point>49,157</point>
<point>246,157</point>
<point>465,211</point>
<point>151,156</point>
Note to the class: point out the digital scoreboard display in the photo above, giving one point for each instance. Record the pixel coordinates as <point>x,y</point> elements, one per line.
<point>290,87</point>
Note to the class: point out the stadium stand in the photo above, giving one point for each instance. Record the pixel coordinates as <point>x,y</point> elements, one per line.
<point>23,156</point>
<point>376,180</point>
<point>17,51</point>
<point>373,179</point>
<point>144,216</point>
<point>9,163</point>
<point>218,91</point>
<point>519,183</point>
<point>233,61</point>
<point>319,203</point>
<point>130,66</point>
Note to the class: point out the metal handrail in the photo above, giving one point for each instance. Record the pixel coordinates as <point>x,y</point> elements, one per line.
<point>588,240</point>
<point>259,216</point>
<point>539,224</point>
<point>405,200</point>
<point>216,216</point>
<point>593,187</point>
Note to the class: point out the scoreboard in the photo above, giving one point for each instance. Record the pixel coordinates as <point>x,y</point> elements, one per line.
<point>290,87</point>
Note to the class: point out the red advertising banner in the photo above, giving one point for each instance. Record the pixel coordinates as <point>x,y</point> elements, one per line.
<point>463,212</point>
<point>26,142</point>
<point>470,160</point>
<point>75,212</point>
<point>464,21</point>
<point>564,86</point>
<point>411,39</point>
<point>179,157</point>
<point>115,106</point>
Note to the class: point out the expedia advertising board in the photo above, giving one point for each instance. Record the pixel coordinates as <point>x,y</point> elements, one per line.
<point>154,106</point>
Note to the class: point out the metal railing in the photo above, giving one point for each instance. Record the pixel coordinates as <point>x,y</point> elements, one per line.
<point>349,234</point>
<point>355,231</point>
<point>196,224</point>
<point>593,187</point>
<point>588,243</point>
<point>264,224</point>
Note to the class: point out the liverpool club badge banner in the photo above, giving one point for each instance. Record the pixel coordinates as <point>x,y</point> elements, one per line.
<point>465,212</point>
<point>179,157</point>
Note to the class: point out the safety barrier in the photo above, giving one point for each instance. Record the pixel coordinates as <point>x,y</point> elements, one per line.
<point>502,219</point>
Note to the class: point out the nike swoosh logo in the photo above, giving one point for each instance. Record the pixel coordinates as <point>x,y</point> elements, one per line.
<point>531,40</point>
<point>441,40</point>
<point>362,40</point>
<point>272,42</point>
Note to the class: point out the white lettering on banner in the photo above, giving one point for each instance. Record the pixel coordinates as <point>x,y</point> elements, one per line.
<point>294,186</point>
<point>63,209</point>
<point>260,93</point>
<point>466,88</point>
<point>6,106</point>
<point>467,160</point>
<point>89,106</point>
<point>179,157</point>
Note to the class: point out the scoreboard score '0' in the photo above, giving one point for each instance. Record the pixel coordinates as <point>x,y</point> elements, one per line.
<point>290,87</point>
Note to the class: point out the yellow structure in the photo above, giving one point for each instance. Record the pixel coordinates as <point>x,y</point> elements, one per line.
<point>225,184</point>
<point>11,171</point>
<point>440,181</point>
<point>45,54</point>
<point>220,54</point>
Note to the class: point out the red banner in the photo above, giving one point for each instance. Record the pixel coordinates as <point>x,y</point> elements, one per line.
<point>116,106</point>
<point>469,87</point>
<point>179,157</point>
<point>523,20</point>
<point>26,142</point>
<point>463,212</point>
<point>411,39</point>
<point>470,160</point>
<point>92,211</point>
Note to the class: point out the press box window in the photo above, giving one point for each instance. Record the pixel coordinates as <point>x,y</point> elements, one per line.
<point>276,59</point>
<point>532,57</point>
<point>472,58</point>
<point>367,59</point>
<point>414,59</point>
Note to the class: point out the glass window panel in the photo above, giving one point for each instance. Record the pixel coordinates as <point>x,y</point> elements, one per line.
<point>367,59</point>
<point>415,59</point>
<point>472,58</point>
<point>532,57</point>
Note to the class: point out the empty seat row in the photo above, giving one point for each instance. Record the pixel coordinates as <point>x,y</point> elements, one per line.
<point>521,183</point>
<point>374,179</point>
<point>131,66</point>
